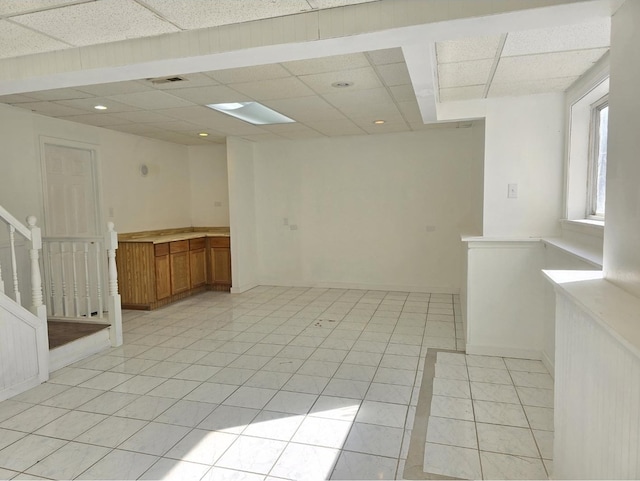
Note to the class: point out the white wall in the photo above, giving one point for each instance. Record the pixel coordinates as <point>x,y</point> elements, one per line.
<point>160,200</point>
<point>524,145</point>
<point>362,205</point>
<point>209,185</point>
<point>242,214</point>
<point>622,230</point>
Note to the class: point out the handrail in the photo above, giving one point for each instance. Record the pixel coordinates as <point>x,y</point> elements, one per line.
<point>19,226</point>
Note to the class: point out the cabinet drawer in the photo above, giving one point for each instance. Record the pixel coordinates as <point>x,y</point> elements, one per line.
<point>195,244</point>
<point>219,242</point>
<point>162,249</point>
<point>179,246</point>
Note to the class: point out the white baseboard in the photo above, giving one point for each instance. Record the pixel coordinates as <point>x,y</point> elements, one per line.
<point>504,352</point>
<point>19,388</point>
<point>368,287</point>
<point>77,350</point>
<point>549,364</point>
<point>244,288</point>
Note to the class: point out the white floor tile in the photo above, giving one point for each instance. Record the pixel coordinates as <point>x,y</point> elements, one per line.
<point>489,375</point>
<point>452,388</point>
<point>488,362</point>
<point>10,408</point>
<point>305,463</point>
<point>500,413</point>
<point>452,461</point>
<point>223,474</point>
<point>174,388</point>
<point>72,376</point>
<point>329,433</point>
<point>68,461</point>
<point>146,408</point>
<point>28,451</point>
<point>453,432</point>
<point>390,393</point>
<point>256,455</point>
<point>544,440</point>
<point>540,418</point>
<point>506,440</point>
<point>33,418</point>
<point>229,419</point>
<point>111,432</point>
<point>200,446</point>
<point>306,384</point>
<point>250,397</point>
<point>501,466</point>
<point>374,439</point>
<point>330,407</point>
<point>72,398</point>
<point>274,425</point>
<point>108,402</point>
<point>186,413</point>
<point>139,384</point>
<point>525,365</point>
<point>533,396</point>
<point>232,375</point>
<point>346,388</point>
<point>532,379</point>
<point>384,414</point>
<point>268,379</point>
<point>494,392</point>
<point>210,392</point>
<point>8,437</point>
<point>364,466</point>
<point>171,469</point>
<point>451,371</point>
<point>155,438</point>
<point>449,407</point>
<point>290,402</point>
<point>70,425</point>
<point>123,465</point>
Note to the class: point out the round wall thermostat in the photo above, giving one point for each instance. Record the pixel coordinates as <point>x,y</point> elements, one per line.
<point>144,170</point>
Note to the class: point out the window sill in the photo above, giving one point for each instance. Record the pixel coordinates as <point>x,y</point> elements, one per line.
<point>589,227</point>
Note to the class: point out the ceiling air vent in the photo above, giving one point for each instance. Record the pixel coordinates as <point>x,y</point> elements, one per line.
<point>166,80</point>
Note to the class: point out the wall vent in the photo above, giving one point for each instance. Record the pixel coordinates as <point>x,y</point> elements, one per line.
<point>166,80</point>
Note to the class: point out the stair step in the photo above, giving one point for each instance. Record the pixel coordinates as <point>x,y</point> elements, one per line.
<point>64,332</point>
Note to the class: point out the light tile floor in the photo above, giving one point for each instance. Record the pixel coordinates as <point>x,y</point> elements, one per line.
<point>275,383</point>
<point>491,418</point>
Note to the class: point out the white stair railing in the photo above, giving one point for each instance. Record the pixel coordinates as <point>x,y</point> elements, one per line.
<point>33,237</point>
<point>76,270</point>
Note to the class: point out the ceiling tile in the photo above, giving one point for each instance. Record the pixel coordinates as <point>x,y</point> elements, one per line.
<point>143,116</point>
<point>97,22</point>
<point>176,126</point>
<point>302,134</point>
<point>366,122</point>
<point>175,137</point>
<point>386,56</point>
<point>151,100</point>
<point>282,128</point>
<point>476,48</point>
<point>327,64</point>
<point>210,95</point>
<point>60,94</point>
<point>249,74</point>
<point>273,89</point>
<point>386,128</point>
<point>376,103</point>
<point>15,99</point>
<point>137,129</point>
<point>88,105</point>
<point>362,78</point>
<point>189,81</point>
<point>462,93</point>
<point>394,74</point>
<point>557,39</point>
<point>410,111</point>
<point>99,120</point>
<point>530,87</point>
<point>337,3</point>
<point>16,40</point>
<point>14,7</point>
<point>262,137</point>
<point>197,113</point>
<point>475,72</point>
<point>403,93</point>
<point>545,66</point>
<point>335,128</point>
<point>51,108</point>
<point>306,109</point>
<point>114,88</point>
<point>190,14</point>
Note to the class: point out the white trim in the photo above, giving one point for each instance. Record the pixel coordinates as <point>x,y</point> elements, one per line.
<point>354,285</point>
<point>244,288</point>
<point>504,352</point>
<point>80,349</point>
<point>548,363</point>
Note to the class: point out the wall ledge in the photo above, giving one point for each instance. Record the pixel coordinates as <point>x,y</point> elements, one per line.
<point>613,308</point>
<point>583,252</point>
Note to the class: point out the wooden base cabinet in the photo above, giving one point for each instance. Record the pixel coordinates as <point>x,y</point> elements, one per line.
<point>220,263</point>
<point>152,275</point>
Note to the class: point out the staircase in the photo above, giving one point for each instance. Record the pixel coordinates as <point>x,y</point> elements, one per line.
<point>75,272</point>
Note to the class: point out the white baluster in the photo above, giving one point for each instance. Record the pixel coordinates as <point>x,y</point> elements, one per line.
<point>37,305</point>
<point>112,245</point>
<point>99,278</point>
<point>14,265</point>
<point>86,278</point>
<point>115,310</point>
<point>76,299</point>
<point>63,273</point>
<point>52,286</point>
<point>1,281</point>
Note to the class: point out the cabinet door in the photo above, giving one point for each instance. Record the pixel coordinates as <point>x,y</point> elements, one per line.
<point>197,260</point>
<point>163,277</point>
<point>180,277</point>
<point>221,265</point>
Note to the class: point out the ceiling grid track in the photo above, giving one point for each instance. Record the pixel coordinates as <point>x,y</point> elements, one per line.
<point>494,67</point>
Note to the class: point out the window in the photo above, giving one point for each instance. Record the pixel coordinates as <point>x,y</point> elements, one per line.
<point>598,159</point>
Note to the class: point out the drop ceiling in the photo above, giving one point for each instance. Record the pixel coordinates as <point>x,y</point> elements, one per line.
<point>511,63</point>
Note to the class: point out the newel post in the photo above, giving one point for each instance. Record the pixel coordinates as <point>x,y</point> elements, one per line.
<point>115,308</point>
<point>37,306</point>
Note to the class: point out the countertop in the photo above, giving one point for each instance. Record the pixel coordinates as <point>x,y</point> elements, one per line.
<point>162,238</point>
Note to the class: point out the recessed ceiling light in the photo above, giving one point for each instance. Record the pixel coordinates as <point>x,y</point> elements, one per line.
<point>342,84</point>
<point>100,107</point>
<point>378,122</point>
<point>252,112</point>
<point>203,134</point>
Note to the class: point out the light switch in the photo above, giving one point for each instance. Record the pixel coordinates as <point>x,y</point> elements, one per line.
<point>512,191</point>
